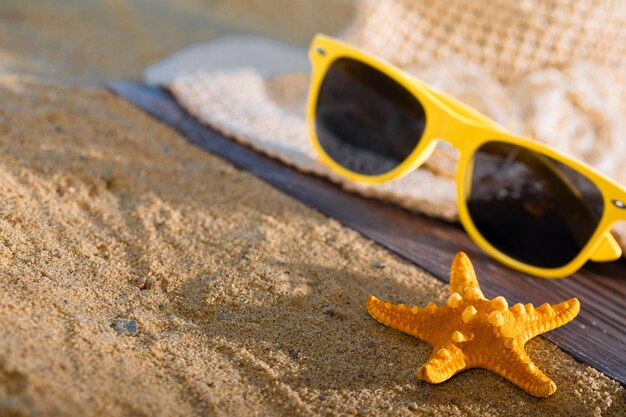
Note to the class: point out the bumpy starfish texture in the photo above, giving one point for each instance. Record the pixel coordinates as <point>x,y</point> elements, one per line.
<point>471,331</point>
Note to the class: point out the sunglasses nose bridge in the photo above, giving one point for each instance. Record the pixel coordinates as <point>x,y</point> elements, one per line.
<point>458,133</point>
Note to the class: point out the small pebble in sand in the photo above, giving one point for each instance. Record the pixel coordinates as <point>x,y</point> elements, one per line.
<point>379,265</point>
<point>294,354</point>
<point>144,283</point>
<point>126,327</point>
<point>362,410</point>
<point>412,405</point>
<point>329,311</point>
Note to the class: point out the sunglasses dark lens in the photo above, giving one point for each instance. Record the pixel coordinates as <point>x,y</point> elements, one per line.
<point>530,206</point>
<point>366,121</point>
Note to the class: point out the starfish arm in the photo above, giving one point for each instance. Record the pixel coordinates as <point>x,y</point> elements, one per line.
<point>442,364</point>
<point>415,321</point>
<point>547,317</point>
<point>518,368</point>
<point>462,275</point>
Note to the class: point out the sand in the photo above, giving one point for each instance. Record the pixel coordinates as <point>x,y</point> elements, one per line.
<point>140,276</point>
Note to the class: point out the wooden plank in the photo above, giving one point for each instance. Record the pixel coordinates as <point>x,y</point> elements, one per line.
<point>597,337</point>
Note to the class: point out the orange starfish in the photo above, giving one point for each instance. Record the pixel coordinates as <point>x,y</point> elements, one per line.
<point>473,332</point>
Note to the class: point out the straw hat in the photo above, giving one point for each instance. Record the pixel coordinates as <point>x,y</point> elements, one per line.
<point>552,70</point>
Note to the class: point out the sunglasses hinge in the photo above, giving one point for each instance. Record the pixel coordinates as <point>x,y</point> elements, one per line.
<point>619,204</point>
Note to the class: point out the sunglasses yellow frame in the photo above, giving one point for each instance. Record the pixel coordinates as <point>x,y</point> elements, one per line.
<point>466,129</point>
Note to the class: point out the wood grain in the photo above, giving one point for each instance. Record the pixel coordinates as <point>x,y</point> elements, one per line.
<point>597,337</point>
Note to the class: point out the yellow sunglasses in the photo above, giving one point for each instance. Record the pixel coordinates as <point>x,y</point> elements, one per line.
<point>526,204</point>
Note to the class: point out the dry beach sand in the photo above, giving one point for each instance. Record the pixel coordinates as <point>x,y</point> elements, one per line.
<point>140,276</point>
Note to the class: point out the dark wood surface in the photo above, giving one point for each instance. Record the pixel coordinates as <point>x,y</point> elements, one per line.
<point>597,336</point>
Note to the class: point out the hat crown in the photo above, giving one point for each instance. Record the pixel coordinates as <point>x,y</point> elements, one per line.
<point>510,38</point>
